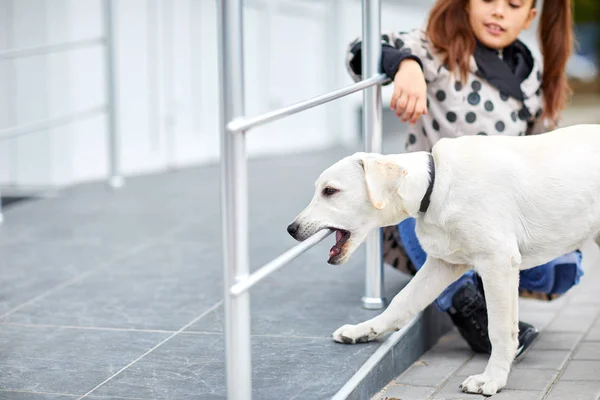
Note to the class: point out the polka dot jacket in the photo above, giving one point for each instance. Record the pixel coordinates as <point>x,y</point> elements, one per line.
<point>480,107</point>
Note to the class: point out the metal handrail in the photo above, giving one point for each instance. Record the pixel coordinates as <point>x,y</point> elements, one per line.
<point>243,124</point>
<point>234,188</point>
<point>279,262</point>
<point>35,126</point>
<point>372,128</point>
<point>32,51</point>
<point>115,179</point>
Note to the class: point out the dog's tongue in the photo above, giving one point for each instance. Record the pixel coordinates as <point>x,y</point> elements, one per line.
<point>334,251</point>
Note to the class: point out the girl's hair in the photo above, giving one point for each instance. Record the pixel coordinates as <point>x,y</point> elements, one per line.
<point>450,32</point>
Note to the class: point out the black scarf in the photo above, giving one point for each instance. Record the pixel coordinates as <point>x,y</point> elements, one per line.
<point>506,73</point>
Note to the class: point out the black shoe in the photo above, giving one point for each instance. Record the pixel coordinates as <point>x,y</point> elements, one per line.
<point>527,335</point>
<point>469,315</point>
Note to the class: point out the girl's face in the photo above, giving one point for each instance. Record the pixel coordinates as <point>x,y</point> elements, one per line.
<point>498,23</point>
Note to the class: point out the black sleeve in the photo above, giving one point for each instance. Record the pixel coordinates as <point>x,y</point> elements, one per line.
<point>395,48</point>
<point>391,58</point>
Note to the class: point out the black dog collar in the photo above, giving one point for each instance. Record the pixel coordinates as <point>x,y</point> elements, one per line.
<point>427,198</point>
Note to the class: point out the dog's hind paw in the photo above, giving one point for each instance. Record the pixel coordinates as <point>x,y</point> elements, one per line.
<point>481,384</point>
<point>350,334</point>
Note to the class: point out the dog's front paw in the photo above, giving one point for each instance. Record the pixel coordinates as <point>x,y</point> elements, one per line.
<point>360,333</point>
<point>483,384</point>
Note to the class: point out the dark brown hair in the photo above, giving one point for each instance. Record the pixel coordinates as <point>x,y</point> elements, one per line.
<point>450,32</point>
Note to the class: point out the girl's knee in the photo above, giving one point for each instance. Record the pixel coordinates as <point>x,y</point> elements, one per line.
<point>553,279</point>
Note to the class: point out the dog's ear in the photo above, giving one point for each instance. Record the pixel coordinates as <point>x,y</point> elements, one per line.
<point>405,185</point>
<point>381,176</point>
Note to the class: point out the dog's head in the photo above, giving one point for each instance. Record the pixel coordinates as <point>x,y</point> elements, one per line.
<point>354,196</point>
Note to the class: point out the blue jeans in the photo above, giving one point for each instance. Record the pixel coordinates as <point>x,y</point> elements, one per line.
<point>554,277</point>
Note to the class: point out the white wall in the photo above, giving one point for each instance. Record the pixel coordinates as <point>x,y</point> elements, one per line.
<point>39,87</point>
<point>167,81</point>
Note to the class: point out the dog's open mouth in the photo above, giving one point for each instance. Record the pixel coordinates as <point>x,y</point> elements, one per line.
<point>341,237</point>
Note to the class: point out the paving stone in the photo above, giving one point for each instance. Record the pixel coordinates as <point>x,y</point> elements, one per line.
<point>435,366</point>
<point>452,340</point>
<point>582,370</point>
<point>543,359</point>
<point>519,378</point>
<point>588,351</point>
<point>574,390</point>
<point>507,394</point>
<point>542,306</point>
<point>539,319</point>
<point>65,361</point>
<point>475,365</point>
<point>570,323</point>
<point>574,318</point>
<point>585,298</point>
<point>530,379</point>
<point>556,341</point>
<point>593,335</point>
<point>534,359</point>
<point>452,391</point>
<point>170,290</point>
<point>584,310</point>
<point>405,392</point>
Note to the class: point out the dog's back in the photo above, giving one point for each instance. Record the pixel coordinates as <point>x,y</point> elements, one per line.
<point>545,187</point>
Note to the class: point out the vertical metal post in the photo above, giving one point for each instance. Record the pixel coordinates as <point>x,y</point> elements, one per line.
<point>371,55</point>
<point>115,180</point>
<point>1,215</point>
<point>234,200</point>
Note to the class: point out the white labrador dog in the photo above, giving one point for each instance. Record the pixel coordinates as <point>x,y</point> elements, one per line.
<point>496,204</point>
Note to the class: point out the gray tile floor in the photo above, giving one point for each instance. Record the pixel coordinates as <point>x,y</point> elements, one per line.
<point>119,294</point>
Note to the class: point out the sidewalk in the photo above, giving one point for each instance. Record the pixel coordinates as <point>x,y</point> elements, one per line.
<point>564,363</point>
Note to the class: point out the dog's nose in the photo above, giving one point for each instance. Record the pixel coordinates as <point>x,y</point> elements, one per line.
<point>293,228</point>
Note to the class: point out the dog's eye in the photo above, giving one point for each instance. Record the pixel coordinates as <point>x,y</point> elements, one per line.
<point>329,191</point>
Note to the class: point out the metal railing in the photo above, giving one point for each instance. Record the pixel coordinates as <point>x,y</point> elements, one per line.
<point>109,108</point>
<point>234,192</point>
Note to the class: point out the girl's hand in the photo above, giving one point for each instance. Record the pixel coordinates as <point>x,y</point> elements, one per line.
<point>409,99</point>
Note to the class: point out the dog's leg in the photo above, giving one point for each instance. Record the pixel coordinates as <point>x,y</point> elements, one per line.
<point>422,290</point>
<point>501,283</point>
